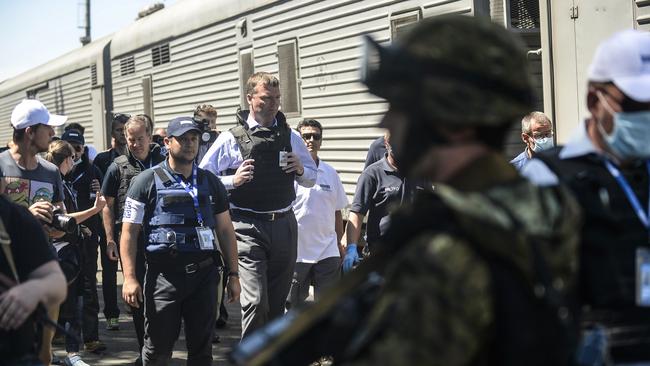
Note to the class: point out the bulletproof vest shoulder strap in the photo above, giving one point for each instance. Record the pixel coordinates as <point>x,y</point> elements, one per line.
<point>243,140</point>
<point>164,177</point>
<point>5,243</point>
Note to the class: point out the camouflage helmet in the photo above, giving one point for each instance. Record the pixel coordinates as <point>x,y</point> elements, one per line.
<point>456,70</point>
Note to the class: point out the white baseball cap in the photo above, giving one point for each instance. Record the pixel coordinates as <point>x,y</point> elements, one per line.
<point>624,59</point>
<point>31,112</point>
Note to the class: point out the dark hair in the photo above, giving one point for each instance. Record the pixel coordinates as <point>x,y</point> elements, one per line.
<point>58,151</point>
<point>75,126</point>
<point>263,78</point>
<point>308,122</point>
<point>20,133</point>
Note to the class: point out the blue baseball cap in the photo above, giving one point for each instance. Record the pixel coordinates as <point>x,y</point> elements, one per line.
<point>180,125</point>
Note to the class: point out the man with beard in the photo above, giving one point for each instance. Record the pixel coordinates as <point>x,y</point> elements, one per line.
<point>141,154</point>
<point>29,180</point>
<point>182,210</point>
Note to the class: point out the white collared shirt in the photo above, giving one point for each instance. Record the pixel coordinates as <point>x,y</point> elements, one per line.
<point>314,208</point>
<point>224,154</point>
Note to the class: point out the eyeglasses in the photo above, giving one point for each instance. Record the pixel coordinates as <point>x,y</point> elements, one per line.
<point>309,136</point>
<point>548,134</point>
<point>121,117</point>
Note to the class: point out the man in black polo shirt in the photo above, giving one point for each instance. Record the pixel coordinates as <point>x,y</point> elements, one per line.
<point>380,189</point>
<point>182,210</point>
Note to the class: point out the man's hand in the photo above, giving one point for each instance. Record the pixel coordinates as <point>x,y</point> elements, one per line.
<point>17,304</point>
<point>294,164</point>
<point>244,173</point>
<point>111,250</point>
<point>132,292</point>
<point>351,258</point>
<point>42,210</point>
<point>233,288</point>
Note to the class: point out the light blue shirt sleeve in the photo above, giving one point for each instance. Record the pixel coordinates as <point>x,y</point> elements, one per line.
<point>539,174</point>
<point>224,154</point>
<point>308,177</point>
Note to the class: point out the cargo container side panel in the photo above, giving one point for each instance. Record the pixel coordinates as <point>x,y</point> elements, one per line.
<point>7,104</point>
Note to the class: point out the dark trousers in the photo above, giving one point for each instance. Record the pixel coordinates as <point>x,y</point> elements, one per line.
<point>174,296</point>
<point>137,314</point>
<point>70,315</point>
<point>109,280</point>
<point>322,275</point>
<point>90,319</point>
<point>267,255</point>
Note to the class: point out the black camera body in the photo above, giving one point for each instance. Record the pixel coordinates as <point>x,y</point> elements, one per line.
<point>63,222</point>
<point>207,135</point>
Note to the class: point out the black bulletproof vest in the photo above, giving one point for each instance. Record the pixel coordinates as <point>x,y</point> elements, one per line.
<point>271,188</point>
<point>612,230</point>
<point>610,236</point>
<point>528,329</point>
<point>129,168</point>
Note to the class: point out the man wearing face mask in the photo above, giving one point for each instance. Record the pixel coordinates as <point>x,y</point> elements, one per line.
<point>606,165</point>
<point>537,134</point>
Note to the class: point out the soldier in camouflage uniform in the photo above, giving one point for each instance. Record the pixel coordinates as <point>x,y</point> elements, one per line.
<point>481,272</point>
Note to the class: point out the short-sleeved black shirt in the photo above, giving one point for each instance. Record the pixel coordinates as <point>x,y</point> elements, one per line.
<point>104,159</point>
<point>379,188</point>
<point>30,249</point>
<point>143,190</point>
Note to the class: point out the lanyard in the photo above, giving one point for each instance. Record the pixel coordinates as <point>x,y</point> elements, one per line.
<point>78,177</point>
<point>192,190</point>
<point>631,197</point>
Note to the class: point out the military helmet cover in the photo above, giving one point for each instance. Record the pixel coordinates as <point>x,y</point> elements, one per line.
<point>458,70</point>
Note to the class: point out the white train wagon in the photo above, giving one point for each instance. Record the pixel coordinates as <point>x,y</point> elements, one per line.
<point>74,85</point>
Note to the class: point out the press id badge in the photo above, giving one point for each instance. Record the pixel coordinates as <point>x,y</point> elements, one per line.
<point>282,158</point>
<point>206,238</point>
<point>643,277</point>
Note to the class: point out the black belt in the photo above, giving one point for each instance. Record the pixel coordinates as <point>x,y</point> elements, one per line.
<point>272,216</point>
<point>185,268</point>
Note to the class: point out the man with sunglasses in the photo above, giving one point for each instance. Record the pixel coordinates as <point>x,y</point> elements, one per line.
<point>320,223</point>
<point>606,165</point>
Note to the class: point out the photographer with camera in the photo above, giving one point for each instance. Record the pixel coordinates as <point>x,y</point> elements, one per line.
<point>29,180</point>
<point>206,116</point>
<point>29,277</point>
<point>68,247</point>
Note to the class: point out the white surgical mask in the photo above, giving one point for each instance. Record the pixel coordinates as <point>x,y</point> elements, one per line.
<point>543,143</point>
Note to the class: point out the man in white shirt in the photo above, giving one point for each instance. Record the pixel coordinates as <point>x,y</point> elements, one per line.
<point>320,223</point>
<point>258,162</point>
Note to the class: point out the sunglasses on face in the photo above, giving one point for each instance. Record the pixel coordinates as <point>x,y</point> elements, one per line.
<point>309,136</point>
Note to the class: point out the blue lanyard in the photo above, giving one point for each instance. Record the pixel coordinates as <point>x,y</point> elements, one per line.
<point>631,197</point>
<point>192,190</point>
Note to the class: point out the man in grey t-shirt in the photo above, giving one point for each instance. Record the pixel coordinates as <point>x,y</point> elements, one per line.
<point>30,181</point>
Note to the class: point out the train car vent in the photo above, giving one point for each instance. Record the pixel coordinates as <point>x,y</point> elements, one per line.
<point>401,23</point>
<point>246,69</point>
<point>523,15</point>
<point>289,83</point>
<point>127,65</point>
<point>93,74</point>
<point>160,54</point>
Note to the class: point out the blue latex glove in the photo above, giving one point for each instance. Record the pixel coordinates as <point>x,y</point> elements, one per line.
<point>351,257</point>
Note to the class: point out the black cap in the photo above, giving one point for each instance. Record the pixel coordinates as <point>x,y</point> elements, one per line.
<point>180,125</point>
<point>73,136</point>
